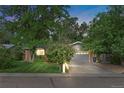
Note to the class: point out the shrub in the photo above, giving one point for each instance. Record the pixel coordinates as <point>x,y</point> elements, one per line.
<point>5,59</point>
<point>59,53</point>
<point>16,53</point>
<point>115,60</point>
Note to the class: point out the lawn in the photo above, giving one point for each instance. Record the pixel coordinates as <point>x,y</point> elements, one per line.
<point>35,67</point>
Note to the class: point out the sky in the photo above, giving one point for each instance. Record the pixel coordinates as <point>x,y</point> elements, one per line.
<point>83,12</point>
<point>86,12</point>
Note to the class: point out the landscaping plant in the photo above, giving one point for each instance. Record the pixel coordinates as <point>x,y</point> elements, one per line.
<point>59,53</point>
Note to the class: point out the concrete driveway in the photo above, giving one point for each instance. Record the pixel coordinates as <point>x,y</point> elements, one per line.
<point>80,64</point>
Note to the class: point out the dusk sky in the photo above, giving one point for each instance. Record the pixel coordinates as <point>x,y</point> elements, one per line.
<point>83,12</point>
<point>86,12</point>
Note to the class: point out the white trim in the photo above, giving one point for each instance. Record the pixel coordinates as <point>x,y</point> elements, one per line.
<point>77,42</point>
<point>82,52</point>
<point>8,45</point>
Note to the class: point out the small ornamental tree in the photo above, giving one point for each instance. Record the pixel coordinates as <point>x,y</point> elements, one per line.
<point>59,53</point>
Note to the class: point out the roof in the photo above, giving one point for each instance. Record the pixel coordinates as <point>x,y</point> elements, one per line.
<point>77,42</point>
<point>8,45</point>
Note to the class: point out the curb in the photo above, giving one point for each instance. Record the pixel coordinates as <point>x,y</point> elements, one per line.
<point>61,75</point>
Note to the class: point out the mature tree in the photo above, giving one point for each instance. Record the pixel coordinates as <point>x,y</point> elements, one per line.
<point>28,23</point>
<point>82,30</point>
<point>106,33</point>
<point>72,31</point>
<point>69,29</point>
<point>4,35</point>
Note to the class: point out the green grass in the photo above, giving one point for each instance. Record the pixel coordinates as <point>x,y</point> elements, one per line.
<point>35,67</point>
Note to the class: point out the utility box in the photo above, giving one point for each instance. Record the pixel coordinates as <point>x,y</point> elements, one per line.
<point>94,59</point>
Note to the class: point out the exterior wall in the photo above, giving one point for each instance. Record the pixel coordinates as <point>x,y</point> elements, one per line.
<point>77,47</point>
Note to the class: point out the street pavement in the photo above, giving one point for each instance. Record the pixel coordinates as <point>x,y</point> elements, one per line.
<point>62,81</point>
